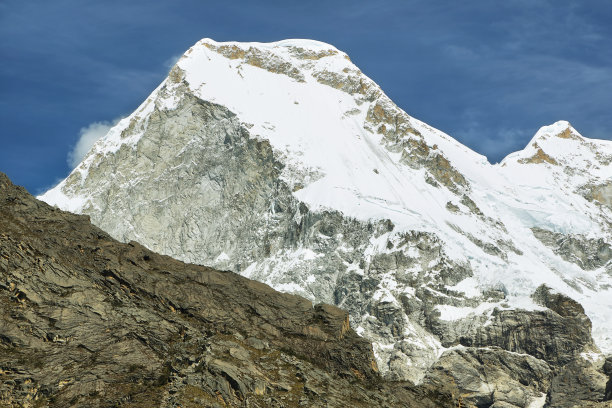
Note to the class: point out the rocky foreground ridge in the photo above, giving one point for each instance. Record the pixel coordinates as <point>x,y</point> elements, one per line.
<point>87,321</point>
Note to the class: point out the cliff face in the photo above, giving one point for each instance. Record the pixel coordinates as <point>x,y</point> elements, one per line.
<point>88,321</point>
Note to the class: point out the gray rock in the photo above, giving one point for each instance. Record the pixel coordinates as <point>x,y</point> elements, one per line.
<point>548,335</point>
<point>492,377</point>
<point>576,384</point>
<point>588,253</point>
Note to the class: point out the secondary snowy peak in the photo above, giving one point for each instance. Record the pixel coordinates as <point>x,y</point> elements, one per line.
<point>560,158</point>
<point>561,145</point>
<point>285,163</point>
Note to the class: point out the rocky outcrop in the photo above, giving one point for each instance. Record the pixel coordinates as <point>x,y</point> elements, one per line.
<point>492,377</point>
<point>601,193</point>
<point>607,369</point>
<point>89,321</point>
<point>517,358</point>
<point>588,253</point>
<point>577,384</point>
<point>539,157</point>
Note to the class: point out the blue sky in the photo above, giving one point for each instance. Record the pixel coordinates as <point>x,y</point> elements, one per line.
<point>489,73</point>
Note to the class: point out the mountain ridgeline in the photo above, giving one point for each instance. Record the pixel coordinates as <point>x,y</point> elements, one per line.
<point>284,163</point>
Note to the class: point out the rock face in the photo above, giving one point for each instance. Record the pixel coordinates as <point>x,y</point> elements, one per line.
<point>493,377</point>
<point>589,254</point>
<point>88,321</point>
<point>285,163</point>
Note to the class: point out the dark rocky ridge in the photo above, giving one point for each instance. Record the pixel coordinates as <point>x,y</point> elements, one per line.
<point>89,321</point>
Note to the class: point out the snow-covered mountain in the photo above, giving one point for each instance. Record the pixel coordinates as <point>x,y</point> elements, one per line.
<point>285,163</point>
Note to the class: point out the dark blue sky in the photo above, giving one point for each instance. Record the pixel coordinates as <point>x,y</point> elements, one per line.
<point>489,73</point>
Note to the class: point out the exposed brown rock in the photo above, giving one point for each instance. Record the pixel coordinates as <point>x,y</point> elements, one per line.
<point>353,83</point>
<point>568,134</point>
<point>602,193</point>
<point>255,57</point>
<point>88,321</point>
<point>305,54</point>
<point>539,157</point>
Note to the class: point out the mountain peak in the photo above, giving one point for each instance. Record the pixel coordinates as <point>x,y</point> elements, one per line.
<point>285,163</point>
<point>554,144</point>
<point>561,129</point>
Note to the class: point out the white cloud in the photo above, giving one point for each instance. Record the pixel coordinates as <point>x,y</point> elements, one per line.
<point>87,137</point>
<point>169,63</point>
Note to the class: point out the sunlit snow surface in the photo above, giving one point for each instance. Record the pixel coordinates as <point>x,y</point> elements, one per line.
<point>320,134</point>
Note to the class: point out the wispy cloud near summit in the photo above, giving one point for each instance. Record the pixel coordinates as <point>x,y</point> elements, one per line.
<point>88,136</point>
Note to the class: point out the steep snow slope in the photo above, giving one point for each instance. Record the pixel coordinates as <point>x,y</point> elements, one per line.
<point>284,162</point>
